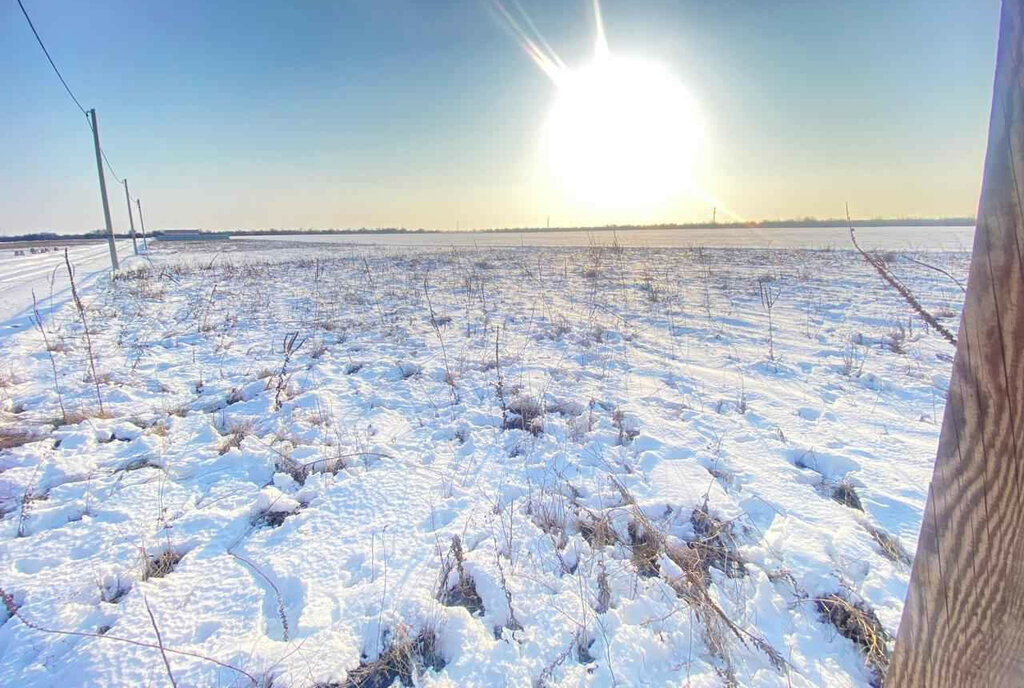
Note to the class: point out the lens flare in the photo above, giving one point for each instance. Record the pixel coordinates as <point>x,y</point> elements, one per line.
<point>623,133</point>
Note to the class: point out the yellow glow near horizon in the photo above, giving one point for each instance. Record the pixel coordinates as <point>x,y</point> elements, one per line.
<point>623,134</point>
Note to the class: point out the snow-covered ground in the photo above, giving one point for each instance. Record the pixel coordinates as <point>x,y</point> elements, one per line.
<point>344,465</point>
<point>46,275</point>
<point>952,238</point>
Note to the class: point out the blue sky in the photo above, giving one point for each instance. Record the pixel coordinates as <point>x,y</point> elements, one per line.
<point>372,113</point>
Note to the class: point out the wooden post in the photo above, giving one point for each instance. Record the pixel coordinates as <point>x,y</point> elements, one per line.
<point>142,225</point>
<point>963,623</point>
<point>131,222</point>
<point>103,188</point>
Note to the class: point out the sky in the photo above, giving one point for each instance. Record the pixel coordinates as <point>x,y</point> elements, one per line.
<point>430,114</point>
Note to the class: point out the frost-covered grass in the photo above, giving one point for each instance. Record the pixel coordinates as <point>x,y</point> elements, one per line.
<point>340,466</point>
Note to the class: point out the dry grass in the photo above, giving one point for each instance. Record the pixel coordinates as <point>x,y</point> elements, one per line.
<point>463,593</point>
<point>138,464</point>
<point>524,413</point>
<point>845,494</point>
<point>626,433</point>
<point>891,548</point>
<point>271,519</point>
<point>403,660</point>
<point>597,530</point>
<point>715,543</point>
<point>858,623</point>
<point>11,438</point>
<point>81,415</point>
<point>646,545</point>
<point>720,632</point>
<point>113,591</point>
<point>180,411</point>
<point>234,433</point>
<point>160,565</point>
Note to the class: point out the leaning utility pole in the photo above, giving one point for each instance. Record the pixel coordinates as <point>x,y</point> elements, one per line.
<point>103,188</point>
<point>142,225</point>
<point>131,222</point>
<point>963,621</point>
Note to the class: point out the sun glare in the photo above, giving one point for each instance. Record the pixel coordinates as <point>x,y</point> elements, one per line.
<point>623,134</point>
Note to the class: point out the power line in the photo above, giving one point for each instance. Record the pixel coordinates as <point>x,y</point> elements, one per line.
<point>67,88</point>
<point>110,167</point>
<point>47,53</point>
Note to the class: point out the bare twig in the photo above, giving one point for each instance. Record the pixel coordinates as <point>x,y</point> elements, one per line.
<point>160,643</point>
<point>939,270</point>
<point>85,325</point>
<point>26,497</point>
<point>289,348</point>
<point>273,586</point>
<point>49,351</point>
<point>770,292</point>
<point>12,609</point>
<point>500,385</point>
<point>448,377</point>
<point>879,265</point>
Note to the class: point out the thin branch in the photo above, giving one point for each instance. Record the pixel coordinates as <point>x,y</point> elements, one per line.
<point>12,609</point>
<point>939,270</point>
<point>49,351</point>
<point>887,275</point>
<point>85,325</point>
<point>160,643</point>
<point>277,593</point>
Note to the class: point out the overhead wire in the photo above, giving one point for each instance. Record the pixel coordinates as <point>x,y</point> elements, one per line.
<point>110,167</point>
<point>67,88</point>
<point>47,53</point>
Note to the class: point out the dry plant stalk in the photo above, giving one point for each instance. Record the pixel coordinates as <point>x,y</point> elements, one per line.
<point>49,352</point>
<point>448,377</point>
<point>879,265</point>
<point>14,612</point>
<point>770,292</point>
<point>85,325</point>
<point>289,348</point>
<point>160,643</point>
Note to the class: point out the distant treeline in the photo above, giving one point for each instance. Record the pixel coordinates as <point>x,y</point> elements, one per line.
<point>802,222</point>
<point>54,236</point>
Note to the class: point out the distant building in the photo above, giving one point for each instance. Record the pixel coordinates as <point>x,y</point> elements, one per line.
<point>189,235</point>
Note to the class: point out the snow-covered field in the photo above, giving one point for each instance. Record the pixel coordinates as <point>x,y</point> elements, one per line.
<point>46,275</point>
<point>342,465</point>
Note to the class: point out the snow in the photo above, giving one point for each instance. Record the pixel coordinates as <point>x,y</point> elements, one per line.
<point>946,238</point>
<point>313,427</point>
<point>46,275</point>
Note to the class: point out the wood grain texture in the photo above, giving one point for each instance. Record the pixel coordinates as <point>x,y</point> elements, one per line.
<point>963,623</point>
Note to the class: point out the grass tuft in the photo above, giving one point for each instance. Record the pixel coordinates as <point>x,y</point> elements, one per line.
<point>160,565</point>
<point>857,622</point>
<point>462,593</point>
<point>402,661</point>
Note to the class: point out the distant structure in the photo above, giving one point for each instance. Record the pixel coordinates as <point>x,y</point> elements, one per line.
<point>189,235</point>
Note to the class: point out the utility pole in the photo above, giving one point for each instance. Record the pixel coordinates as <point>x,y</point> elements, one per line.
<point>142,225</point>
<point>963,621</point>
<point>131,222</point>
<point>103,188</point>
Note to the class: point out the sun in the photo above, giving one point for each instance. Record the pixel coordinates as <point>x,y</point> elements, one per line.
<point>623,134</point>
